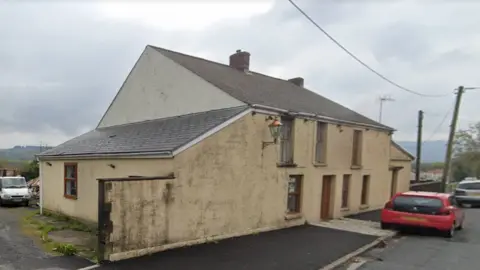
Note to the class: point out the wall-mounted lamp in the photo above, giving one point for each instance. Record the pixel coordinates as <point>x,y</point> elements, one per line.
<point>49,164</point>
<point>111,166</point>
<point>275,129</point>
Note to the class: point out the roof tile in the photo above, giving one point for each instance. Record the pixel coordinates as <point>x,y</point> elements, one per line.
<point>159,135</point>
<point>256,88</point>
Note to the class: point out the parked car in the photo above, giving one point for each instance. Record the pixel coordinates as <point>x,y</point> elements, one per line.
<point>14,190</point>
<point>431,210</point>
<point>468,192</point>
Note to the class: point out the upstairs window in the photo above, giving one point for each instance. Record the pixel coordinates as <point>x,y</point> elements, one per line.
<point>321,143</point>
<point>286,141</point>
<point>357,148</point>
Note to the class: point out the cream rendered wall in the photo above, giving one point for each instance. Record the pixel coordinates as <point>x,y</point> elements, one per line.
<point>227,183</point>
<point>399,158</point>
<point>237,185</point>
<point>157,87</point>
<point>86,205</point>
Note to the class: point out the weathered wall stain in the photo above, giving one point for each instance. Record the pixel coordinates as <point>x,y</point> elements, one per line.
<point>228,184</point>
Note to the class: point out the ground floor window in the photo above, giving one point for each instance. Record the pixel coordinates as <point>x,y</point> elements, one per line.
<point>294,193</point>
<point>365,188</point>
<point>70,180</point>
<point>345,190</point>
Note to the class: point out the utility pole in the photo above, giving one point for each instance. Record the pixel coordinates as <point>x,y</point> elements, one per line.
<point>451,136</point>
<point>382,100</point>
<point>419,146</point>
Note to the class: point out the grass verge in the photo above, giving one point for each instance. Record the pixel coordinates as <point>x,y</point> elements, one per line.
<point>40,228</point>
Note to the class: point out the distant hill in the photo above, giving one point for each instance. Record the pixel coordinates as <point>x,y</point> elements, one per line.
<point>432,151</point>
<point>21,153</point>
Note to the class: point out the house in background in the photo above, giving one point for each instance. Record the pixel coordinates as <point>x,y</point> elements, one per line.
<point>401,167</point>
<point>215,128</point>
<point>432,175</point>
<point>9,171</point>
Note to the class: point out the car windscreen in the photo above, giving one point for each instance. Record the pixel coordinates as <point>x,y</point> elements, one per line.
<point>469,186</point>
<point>417,204</point>
<point>14,182</point>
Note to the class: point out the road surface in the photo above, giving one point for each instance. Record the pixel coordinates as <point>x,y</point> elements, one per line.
<point>18,252</point>
<point>433,252</point>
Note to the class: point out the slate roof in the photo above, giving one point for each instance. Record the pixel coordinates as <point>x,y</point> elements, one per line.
<point>155,136</point>
<point>256,88</point>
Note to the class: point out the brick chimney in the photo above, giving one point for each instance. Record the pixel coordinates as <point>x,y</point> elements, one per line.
<point>297,81</point>
<point>240,60</point>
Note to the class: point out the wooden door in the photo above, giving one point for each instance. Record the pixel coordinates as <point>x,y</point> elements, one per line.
<point>326,197</point>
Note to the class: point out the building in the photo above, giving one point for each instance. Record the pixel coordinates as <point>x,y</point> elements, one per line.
<point>247,151</point>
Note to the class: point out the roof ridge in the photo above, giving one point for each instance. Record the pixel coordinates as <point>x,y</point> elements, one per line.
<point>170,117</point>
<point>222,64</point>
<point>304,99</point>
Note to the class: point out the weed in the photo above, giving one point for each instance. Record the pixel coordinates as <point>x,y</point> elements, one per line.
<point>65,249</point>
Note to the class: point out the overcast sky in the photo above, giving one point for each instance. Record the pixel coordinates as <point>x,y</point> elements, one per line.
<point>62,63</point>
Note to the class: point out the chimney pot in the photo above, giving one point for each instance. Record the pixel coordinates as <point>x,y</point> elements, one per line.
<point>240,60</point>
<point>298,81</point>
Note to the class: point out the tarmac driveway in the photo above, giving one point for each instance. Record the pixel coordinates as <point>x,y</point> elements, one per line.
<point>18,252</point>
<point>300,248</point>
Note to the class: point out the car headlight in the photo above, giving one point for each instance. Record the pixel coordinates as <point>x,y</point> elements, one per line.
<point>4,196</point>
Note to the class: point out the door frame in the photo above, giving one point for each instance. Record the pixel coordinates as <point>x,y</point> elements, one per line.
<point>326,211</point>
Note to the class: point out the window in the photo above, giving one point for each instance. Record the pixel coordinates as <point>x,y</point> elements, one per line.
<point>321,143</point>
<point>357,148</point>
<point>286,141</point>
<point>70,183</point>
<point>469,186</point>
<point>294,193</point>
<point>345,190</point>
<point>417,205</point>
<point>365,188</point>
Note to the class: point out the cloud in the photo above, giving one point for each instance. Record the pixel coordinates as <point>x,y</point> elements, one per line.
<point>62,63</point>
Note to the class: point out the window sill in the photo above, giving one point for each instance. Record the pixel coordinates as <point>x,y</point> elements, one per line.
<point>364,206</point>
<point>356,167</point>
<point>344,209</point>
<point>286,165</point>
<point>70,197</point>
<point>293,216</point>
<point>319,164</point>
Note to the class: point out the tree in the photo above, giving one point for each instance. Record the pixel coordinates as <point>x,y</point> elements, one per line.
<point>31,170</point>
<point>466,155</point>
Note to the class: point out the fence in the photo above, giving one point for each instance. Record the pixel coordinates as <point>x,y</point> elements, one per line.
<point>132,215</point>
<point>430,186</point>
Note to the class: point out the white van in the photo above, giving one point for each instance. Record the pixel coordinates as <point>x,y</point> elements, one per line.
<point>14,190</point>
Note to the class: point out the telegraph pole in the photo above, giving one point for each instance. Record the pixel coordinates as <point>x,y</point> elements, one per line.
<point>451,136</point>
<point>419,146</point>
<point>382,100</point>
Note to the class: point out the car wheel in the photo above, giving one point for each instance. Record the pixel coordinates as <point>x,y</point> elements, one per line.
<point>450,233</point>
<point>384,226</point>
<point>25,203</point>
<point>1,202</point>
<point>460,227</point>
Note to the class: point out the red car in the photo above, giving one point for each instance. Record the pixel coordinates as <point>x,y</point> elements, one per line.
<point>438,211</point>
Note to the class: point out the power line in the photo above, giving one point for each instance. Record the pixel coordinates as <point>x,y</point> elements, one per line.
<point>435,131</point>
<point>357,59</point>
